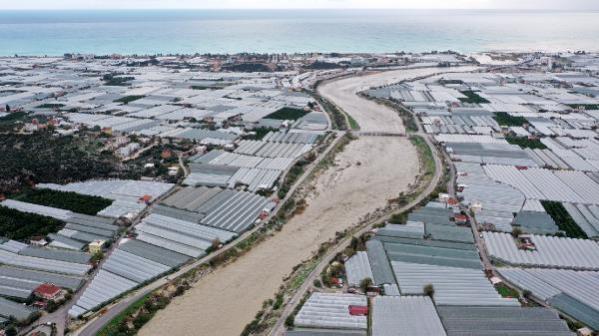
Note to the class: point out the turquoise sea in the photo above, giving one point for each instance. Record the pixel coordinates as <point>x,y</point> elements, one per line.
<point>231,31</point>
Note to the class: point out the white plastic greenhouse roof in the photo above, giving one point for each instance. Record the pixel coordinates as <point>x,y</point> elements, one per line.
<point>103,287</point>
<point>405,316</point>
<point>49,265</point>
<point>357,269</point>
<point>324,310</point>
<point>452,285</point>
<point>579,254</point>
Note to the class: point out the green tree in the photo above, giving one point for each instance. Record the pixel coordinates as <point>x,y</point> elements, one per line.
<point>429,290</point>
<point>290,321</point>
<point>11,331</point>
<point>516,232</point>
<point>98,256</point>
<point>51,306</point>
<point>365,284</point>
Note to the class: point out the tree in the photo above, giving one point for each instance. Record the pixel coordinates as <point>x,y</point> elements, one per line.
<point>179,291</point>
<point>11,331</point>
<point>429,290</point>
<point>141,319</point>
<point>290,321</point>
<point>51,306</point>
<point>98,256</point>
<point>149,305</point>
<point>354,243</point>
<point>278,302</point>
<point>516,232</point>
<point>123,327</point>
<point>336,270</point>
<point>365,284</point>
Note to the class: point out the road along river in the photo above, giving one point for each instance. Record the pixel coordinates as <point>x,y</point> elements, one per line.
<point>369,172</point>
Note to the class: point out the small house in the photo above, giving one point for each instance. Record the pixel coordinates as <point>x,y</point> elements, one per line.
<point>47,291</point>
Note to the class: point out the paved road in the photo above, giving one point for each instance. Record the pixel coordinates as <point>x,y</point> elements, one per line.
<point>182,165</point>
<point>95,325</point>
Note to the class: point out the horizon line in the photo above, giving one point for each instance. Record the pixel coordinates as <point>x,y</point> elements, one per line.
<point>298,8</point>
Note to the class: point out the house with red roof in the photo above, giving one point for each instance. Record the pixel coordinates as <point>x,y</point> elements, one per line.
<point>47,291</point>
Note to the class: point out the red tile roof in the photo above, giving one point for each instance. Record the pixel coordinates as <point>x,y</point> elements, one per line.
<point>47,290</point>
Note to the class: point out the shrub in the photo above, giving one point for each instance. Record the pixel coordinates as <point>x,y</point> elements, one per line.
<point>429,290</point>
<point>141,319</point>
<point>365,284</point>
<point>290,321</point>
<point>278,302</point>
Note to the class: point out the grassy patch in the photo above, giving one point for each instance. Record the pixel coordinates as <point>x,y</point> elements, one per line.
<point>338,117</point>
<point>261,132</point>
<point>353,123</point>
<point>526,142</point>
<point>287,113</point>
<point>22,226</point>
<point>473,98</point>
<point>451,82</point>
<point>505,119</point>
<point>128,99</point>
<point>399,218</point>
<point>302,274</point>
<point>88,205</point>
<point>294,174</point>
<point>563,219</point>
<point>506,292</point>
<point>585,106</point>
<point>51,105</point>
<point>110,80</point>
<point>408,119</point>
<point>425,154</point>
<point>112,328</point>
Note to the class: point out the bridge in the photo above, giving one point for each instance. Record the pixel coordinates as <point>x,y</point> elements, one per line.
<point>379,134</point>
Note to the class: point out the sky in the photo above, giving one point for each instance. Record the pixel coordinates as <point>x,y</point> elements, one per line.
<point>288,4</point>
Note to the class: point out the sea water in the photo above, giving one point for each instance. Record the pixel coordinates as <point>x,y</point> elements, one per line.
<point>145,32</point>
